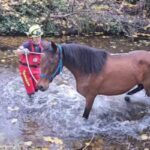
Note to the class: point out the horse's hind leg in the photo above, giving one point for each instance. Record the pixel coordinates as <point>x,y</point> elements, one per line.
<point>147,89</point>
<point>146,85</point>
<point>135,90</point>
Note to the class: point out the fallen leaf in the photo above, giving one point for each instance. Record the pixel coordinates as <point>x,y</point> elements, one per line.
<point>28,143</point>
<point>113,46</point>
<point>87,144</point>
<point>53,140</point>
<point>146,27</point>
<point>63,32</point>
<point>47,139</point>
<point>2,60</point>
<point>58,141</point>
<point>144,137</point>
<point>45,149</point>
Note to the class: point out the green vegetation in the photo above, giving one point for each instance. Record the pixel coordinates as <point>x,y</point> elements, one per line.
<point>76,17</point>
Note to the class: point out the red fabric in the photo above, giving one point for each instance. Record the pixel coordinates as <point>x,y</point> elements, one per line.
<point>34,60</point>
<point>28,81</point>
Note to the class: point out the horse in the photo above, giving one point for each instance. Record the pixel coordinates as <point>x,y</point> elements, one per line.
<point>96,71</point>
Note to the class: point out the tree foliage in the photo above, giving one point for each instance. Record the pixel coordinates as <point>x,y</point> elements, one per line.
<point>119,17</point>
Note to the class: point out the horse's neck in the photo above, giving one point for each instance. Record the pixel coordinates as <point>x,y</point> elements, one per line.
<point>76,72</point>
<point>82,80</point>
<point>72,69</point>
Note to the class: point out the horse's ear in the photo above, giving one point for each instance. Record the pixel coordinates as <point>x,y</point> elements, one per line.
<point>54,46</point>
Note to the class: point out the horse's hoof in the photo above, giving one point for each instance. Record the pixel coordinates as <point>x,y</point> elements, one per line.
<point>127,99</point>
<point>85,117</point>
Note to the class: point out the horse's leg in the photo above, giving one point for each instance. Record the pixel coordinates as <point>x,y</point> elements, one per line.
<point>89,104</point>
<point>135,90</point>
<point>147,89</point>
<point>146,85</point>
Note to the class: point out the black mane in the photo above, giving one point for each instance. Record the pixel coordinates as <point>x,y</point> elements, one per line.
<point>86,59</point>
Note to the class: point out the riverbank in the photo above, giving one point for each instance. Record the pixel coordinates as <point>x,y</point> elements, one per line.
<point>110,43</point>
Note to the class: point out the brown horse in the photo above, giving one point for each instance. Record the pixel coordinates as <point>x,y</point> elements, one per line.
<point>96,71</point>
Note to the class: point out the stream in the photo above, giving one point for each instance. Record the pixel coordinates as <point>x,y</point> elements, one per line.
<point>53,119</point>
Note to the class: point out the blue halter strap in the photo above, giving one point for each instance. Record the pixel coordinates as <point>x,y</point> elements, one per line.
<point>58,69</point>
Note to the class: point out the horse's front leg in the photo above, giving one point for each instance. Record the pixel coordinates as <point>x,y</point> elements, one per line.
<point>89,104</point>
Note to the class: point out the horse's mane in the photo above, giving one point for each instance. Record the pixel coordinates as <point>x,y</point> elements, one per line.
<point>84,58</point>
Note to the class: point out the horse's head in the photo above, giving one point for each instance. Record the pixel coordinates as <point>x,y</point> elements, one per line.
<point>51,65</point>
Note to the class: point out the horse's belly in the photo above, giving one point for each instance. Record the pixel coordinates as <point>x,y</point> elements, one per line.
<point>114,90</point>
<point>114,85</point>
<point>119,75</point>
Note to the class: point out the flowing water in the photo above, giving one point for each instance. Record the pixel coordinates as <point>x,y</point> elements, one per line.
<point>53,119</point>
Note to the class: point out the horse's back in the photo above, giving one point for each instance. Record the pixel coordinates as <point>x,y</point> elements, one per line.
<point>122,72</point>
<point>141,56</point>
<point>137,57</point>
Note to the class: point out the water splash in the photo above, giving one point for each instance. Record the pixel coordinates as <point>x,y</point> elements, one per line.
<point>58,113</point>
